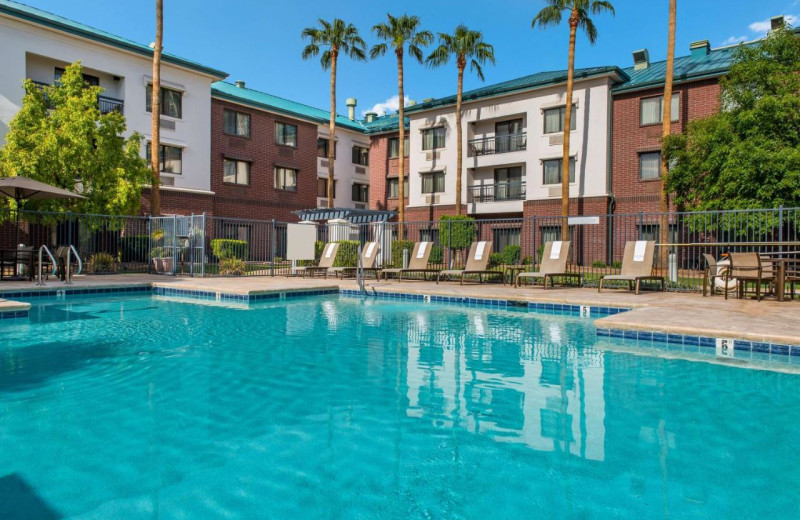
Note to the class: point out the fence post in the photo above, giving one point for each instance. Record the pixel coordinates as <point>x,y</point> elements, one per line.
<point>149,245</point>
<point>534,258</point>
<point>449,241</point>
<point>780,228</point>
<point>174,245</point>
<point>203,248</point>
<point>272,250</point>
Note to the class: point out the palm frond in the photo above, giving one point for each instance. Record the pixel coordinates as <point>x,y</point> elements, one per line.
<point>325,60</point>
<point>601,6</point>
<point>476,67</point>
<point>310,50</point>
<point>589,28</point>
<point>379,49</point>
<point>550,15</point>
<point>440,56</point>
<point>415,52</point>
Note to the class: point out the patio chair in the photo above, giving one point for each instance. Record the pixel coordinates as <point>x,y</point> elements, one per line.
<point>713,271</point>
<point>477,264</point>
<point>637,266</point>
<point>749,267</point>
<point>418,263</point>
<point>554,264</point>
<point>369,262</point>
<point>325,261</point>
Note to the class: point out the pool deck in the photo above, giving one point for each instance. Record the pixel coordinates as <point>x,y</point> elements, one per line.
<point>678,313</point>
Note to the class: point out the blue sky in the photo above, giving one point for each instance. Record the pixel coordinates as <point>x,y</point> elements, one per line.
<point>259,41</point>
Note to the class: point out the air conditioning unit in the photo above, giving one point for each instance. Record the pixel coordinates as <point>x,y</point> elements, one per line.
<point>322,202</point>
<point>430,156</point>
<point>323,163</point>
<point>554,191</point>
<point>556,139</point>
<point>167,181</point>
<point>361,169</point>
<point>431,199</point>
<point>167,124</point>
<point>360,206</point>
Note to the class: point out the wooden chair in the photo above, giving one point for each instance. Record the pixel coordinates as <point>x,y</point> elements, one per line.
<point>748,267</point>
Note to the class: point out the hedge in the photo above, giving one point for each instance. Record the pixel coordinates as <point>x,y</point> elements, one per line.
<point>224,248</point>
<point>346,256</point>
<point>456,231</point>
<point>397,251</point>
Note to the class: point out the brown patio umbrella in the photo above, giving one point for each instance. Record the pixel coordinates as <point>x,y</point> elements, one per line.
<point>23,189</point>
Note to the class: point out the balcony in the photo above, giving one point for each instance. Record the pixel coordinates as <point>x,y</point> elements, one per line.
<point>104,103</point>
<point>497,144</point>
<point>498,192</point>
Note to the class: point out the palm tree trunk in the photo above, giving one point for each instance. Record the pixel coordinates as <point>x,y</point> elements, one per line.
<point>573,27</point>
<point>155,140</point>
<point>458,136</point>
<point>665,131</point>
<point>332,130</point>
<point>401,148</point>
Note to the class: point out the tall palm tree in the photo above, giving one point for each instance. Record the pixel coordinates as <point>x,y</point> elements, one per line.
<point>155,106</point>
<point>397,32</point>
<point>335,37</point>
<point>666,122</point>
<point>466,46</point>
<point>579,11</point>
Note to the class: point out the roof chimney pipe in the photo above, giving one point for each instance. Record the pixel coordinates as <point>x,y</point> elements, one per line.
<point>641,59</point>
<point>239,83</point>
<point>777,22</point>
<point>370,116</point>
<point>700,49</point>
<point>351,108</point>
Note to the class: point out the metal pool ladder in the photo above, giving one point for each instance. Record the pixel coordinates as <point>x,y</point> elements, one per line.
<point>360,271</point>
<point>39,279</point>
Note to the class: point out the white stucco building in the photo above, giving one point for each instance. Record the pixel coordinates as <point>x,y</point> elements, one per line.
<point>351,167</point>
<point>512,143</point>
<point>39,45</point>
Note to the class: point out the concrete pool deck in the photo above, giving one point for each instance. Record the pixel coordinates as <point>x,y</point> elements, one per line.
<point>678,313</point>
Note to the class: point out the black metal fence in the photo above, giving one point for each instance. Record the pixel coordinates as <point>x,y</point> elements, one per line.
<point>217,246</point>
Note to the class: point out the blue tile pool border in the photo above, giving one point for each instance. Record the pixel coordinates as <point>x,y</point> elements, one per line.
<point>13,314</point>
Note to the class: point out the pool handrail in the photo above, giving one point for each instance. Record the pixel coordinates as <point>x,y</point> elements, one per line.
<point>39,280</point>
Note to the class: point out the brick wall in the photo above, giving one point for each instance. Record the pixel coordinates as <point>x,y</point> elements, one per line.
<point>697,100</point>
<point>381,167</point>
<point>178,203</point>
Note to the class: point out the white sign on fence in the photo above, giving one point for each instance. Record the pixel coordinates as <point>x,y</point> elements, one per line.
<point>300,240</point>
<point>576,221</point>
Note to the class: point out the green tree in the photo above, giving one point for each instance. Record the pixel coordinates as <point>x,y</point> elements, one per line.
<point>60,137</point>
<point>335,37</point>
<point>748,155</point>
<point>579,11</point>
<point>397,32</point>
<point>467,47</point>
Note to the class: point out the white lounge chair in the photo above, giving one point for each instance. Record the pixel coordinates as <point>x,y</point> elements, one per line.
<point>477,264</point>
<point>554,264</point>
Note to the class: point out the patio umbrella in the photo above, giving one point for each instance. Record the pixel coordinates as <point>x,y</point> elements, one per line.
<point>23,189</point>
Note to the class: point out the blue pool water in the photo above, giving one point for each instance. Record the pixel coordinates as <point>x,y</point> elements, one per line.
<point>333,407</point>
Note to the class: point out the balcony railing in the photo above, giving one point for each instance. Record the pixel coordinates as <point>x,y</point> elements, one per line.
<point>497,192</point>
<point>497,144</point>
<point>104,103</point>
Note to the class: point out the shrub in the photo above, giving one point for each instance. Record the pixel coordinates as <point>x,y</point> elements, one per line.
<point>232,266</point>
<point>496,259</point>
<point>157,235</point>
<point>437,255</point>
<point>540,253</point>
<point>160,252</point>
<point>456,231</point>
<point>134,248</point>
<point>527,260</point>
<point>616,264</point>
<point>397,251</point>
<point>598,264</point>
<point>512,254</point>
<point>101,263</point>
<point>347,256</point>
<point>228,248</point>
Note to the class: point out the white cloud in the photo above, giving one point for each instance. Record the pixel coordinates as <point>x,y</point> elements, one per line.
<point>764,26</point>
<point>733,40</point>
<point>389,106</point>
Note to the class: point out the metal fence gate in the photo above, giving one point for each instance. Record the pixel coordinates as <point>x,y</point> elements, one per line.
<point>178,245</point>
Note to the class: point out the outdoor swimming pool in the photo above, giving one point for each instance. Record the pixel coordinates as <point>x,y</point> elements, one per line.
<point>338,407</point>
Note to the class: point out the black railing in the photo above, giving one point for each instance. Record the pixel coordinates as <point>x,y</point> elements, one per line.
<point>104,103</point>
<point>497,144</point>
<point>497,192</point>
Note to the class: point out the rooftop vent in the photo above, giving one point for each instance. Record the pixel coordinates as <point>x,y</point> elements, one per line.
<point>427,100</point>
<point>641,59</point>
<point>700,49</point>
<point>411,102</point>
<point>239,83</point>
<point>351,108</point>
<point>777,22</point>
<point>370,116</point>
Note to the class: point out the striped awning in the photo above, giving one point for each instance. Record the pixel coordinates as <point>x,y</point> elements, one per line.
<point>354,216</point>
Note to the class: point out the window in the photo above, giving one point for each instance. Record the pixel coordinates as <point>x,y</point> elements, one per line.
<point>653,232</point>
<point>652,109</point>
<point>286,134</point>
<point>360,192</point>
<point>236,172</point>
<point>170,158</point>
<point>550,233</point>
<point>285,179</point>
<point>394,147</point>
<point>554,120</point>
<point>322,187</point>
<point>432,182</point>
<point>360,155</point>
<point>429,235</point>
<point>322,148</point>
<point>92,81</point>
<point>506,237</point>
<point>552,171</point>
<point>433,138</point>
<point>236,123</point>
<point>171,101</point>
<point>394,186</point>
<point>649,166</point>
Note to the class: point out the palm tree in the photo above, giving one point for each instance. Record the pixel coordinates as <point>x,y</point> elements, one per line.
<point>578,17</point>
<point>155,106</point>
<point>336,37</point>
<point>666,121</point>
<point>465,46</point>
<point>397,32</point>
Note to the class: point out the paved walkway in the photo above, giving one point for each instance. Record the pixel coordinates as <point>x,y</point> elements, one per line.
<point>767,321</point>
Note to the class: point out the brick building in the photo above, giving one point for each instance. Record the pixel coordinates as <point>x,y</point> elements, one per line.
<point>384,162</point>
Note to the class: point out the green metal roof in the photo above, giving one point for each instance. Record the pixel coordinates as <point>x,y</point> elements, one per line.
<point>262,100</point>
<point>53,21</point>
<point>533,81</point>
<point>716,63</point>
<point>387,123</point>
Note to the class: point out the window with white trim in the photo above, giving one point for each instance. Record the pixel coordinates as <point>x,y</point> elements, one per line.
<point>554,120</point>
<point>652,109</point>
<point>432,182</point>
<point>433,138</point>
<point>552,170</point>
